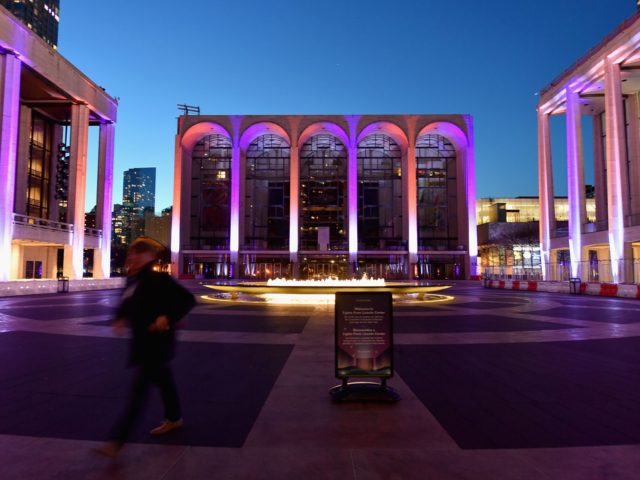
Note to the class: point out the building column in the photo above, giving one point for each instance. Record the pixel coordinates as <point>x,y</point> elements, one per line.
<point>352,200</point>
<point>471,267</point>
<point>180,213</point>
<point>411,200</point>
<point>545,193</point>
<point>9,114</point>
<point>294,202</point>
<point>73,255</point>
<point>575,180</point>
<point>600,183</point>
<point>616,160</point>
<point>104,204</point>
<point>234,226</point>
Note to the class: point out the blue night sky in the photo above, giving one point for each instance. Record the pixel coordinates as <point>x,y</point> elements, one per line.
<point>487,59</point>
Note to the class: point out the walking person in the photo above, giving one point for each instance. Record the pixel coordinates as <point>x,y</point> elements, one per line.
<point>152,303</point>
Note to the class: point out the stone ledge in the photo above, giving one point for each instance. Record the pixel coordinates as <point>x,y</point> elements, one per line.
<point>33,287</point>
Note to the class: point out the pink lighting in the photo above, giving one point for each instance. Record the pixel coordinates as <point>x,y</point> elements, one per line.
<point>10,98</point>
<point>323,127</point>
<point>234,228</point>
<point>262,128</point>
<point>386,128</point>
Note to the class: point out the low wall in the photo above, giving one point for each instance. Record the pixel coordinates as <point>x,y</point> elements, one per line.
<point>584,288</point>
<point>32,287</point>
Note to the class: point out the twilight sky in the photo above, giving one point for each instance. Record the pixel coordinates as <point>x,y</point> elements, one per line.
<point>487,59</point>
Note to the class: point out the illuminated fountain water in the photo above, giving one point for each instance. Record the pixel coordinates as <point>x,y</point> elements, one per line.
<point>283,291</point>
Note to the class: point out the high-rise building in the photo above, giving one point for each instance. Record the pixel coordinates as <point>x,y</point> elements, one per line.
<point>41,16</point>
<point>139,191</point>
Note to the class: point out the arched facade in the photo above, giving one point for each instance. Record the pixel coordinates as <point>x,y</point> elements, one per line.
<point>327,196</point>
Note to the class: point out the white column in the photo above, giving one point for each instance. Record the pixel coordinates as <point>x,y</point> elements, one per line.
<point>104,204</point>
<point>575,180</point>
<point>352,199</point>
<point>294,201</point>
<point>545,193</point>
<point>234,227</point>
<point>9,113</point>
<point>615,158</point>
<point>412,207</point>
<point>73,256</point>
<point>180,210</point>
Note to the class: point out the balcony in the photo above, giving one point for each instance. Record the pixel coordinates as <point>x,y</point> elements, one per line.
<point>41,230</point>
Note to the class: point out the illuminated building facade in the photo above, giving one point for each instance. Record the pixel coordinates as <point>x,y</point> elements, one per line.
<point>603,87</point>
<point>46,109</point>
<point>508,234</point>
<point>40,16</point>
<point>330,195</point>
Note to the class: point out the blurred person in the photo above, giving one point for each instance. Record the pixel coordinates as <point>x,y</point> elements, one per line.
<point>152,303</point>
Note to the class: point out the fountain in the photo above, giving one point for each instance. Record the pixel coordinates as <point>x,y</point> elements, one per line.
<point>289,291</point>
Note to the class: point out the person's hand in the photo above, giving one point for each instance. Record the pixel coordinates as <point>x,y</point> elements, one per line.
<point>118,326</point>
<point>161,324</point>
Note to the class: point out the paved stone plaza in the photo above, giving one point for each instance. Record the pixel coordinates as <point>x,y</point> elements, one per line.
<point>494,385</point>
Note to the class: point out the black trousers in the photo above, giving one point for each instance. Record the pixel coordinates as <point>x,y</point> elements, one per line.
<point>145,377</point>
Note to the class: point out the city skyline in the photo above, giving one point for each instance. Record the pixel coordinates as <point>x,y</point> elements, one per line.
<point>487,60</point>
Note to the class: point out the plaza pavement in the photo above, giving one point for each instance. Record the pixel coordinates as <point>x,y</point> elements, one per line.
<point>493,385</point>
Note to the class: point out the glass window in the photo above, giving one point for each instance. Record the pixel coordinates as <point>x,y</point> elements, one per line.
<point>211,193</point>
<point>379,194</point>
<point>267,194</point>
<point>436,190</point>
<point>323,183</point>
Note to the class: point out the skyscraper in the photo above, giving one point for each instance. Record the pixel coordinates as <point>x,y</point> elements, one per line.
<point>41,16</point>
<point>139,191</point>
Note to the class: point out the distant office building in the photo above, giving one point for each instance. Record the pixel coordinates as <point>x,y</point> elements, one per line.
<point>314,196</point>
<point>159,227</point>
<point>47,109</point>
<point>508,234</point>
<point>120,225</point>
<point>605,86</point>
<point>40,16</point>
<point>139,191</point>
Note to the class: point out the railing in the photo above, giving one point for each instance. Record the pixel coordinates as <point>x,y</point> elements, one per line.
<point>93,232</point>
<point>598,226</point>
<point>632,220</point>
<point>43,223</point>
<point>588,271</point>
<point>560,232</point>
<point>512,273</point>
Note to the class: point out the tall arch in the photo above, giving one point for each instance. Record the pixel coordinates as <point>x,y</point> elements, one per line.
<point>380,222</point>
<point>436,181</point>
<point>465,192</point>
<point>323,186</point>
<point>266,193</point>
<point>262,128</point>
<point>210,192</point>
<point>386,128</point>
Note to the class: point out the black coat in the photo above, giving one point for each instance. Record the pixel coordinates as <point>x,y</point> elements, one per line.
<point>149,295</point>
